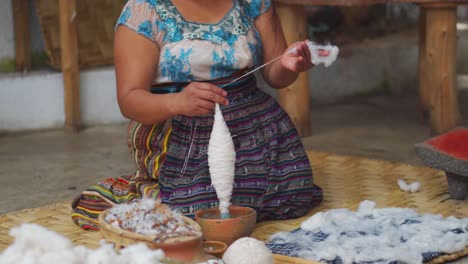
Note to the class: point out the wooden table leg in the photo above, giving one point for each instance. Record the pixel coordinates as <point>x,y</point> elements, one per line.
<point>295,98</point>
<point>422,85</point>
<point>440,66</point>
<point>70,66</point>
<point>22,35</point>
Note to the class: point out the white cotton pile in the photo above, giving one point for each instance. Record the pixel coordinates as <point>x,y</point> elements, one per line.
<point>248,250</point>
<point>221,160</point>
<point>141,254</point>
<point>315,49</point>
<point>37,245</point>
<point>372,235</point>
<point>412,187</point>
<point>30,247</point>
<point>144,217</point>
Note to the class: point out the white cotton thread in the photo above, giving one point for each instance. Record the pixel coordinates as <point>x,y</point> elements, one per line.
<point>193,130</point>
<point>221,160</point>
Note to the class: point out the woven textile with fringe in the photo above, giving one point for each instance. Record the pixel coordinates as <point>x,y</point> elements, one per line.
<point>346,182</point>
<point>95,26</point>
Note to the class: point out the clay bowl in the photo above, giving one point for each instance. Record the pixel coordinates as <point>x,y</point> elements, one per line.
<point>215,248</point>
<point>183,248</point>
<point>448,152</point>
<point>241,224</point>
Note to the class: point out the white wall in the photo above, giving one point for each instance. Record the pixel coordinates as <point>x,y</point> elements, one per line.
<point>7,46</point>
<point>99,97</point>
<point>35,100</point>
<point>31,102</point>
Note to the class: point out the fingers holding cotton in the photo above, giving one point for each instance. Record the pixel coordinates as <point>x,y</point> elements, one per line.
<point>319,54</point>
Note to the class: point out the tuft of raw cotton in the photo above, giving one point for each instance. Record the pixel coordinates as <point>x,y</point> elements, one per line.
<point>139,254</point>
<point>375,235</point>
<point>221,160</point>
<point>403,185</point>
<point>104,254</point>
<point>35,244</point>
<point>29,247</point>
<point>366,207</point>
<point>248,250</point>
<point>315,49</point>
<point>412,187</point>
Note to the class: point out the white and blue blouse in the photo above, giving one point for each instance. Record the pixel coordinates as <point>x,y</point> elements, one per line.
<point>191,51</point>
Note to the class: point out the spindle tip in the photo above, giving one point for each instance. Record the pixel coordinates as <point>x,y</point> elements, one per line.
<point>225,215</point>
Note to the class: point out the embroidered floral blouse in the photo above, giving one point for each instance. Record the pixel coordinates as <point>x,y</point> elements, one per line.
<point>191,51</point>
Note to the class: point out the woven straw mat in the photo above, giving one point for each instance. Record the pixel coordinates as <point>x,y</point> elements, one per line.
<point>346,181</point>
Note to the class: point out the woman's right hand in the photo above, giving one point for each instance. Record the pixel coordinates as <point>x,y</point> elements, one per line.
<point>198,99</point>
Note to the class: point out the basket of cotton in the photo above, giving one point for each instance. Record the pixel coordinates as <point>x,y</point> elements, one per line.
<point>156,225</point>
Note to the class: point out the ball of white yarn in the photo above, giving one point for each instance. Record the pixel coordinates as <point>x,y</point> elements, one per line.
<point>248,250</point>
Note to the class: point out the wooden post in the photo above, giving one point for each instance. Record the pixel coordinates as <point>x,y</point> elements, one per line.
<point>440,59</point>
<point>353,17</point>
<point>423,87</point>
<point>295,98</point>
<point>70,66</point>
<point>22,35</point>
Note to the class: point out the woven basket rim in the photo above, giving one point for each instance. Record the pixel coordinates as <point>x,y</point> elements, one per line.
<point>150,238</point>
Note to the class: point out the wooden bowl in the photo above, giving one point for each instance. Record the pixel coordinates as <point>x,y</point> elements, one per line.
<point>184,248</point>
<point>241,224</point>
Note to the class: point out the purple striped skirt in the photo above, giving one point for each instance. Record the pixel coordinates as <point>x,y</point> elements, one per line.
<point>273,174</point>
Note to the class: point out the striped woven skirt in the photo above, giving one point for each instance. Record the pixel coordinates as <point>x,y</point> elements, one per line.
<point>273,174</point>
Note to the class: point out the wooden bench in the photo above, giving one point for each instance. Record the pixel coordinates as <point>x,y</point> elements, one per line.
<point>437,59</point>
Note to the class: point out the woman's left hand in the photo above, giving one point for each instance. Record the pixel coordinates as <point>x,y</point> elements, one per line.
<point>298,57</point>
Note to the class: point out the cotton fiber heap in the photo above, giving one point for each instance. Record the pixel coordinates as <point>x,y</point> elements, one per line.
<point>37,245</point>
<point>144,217</point>
<point>221,161</point>
<point>373,235</point>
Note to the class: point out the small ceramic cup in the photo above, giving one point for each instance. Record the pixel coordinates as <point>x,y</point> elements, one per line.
<point>215,248</point>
